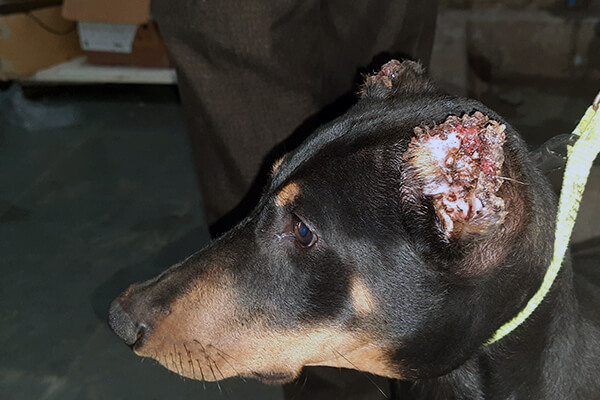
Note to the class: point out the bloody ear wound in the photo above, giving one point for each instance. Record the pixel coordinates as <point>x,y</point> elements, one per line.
<point>458,164</point>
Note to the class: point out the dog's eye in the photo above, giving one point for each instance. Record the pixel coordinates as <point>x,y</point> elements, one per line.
<point>303,234</point>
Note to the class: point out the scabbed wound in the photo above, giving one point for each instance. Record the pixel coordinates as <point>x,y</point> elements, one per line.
<point>459,164</point>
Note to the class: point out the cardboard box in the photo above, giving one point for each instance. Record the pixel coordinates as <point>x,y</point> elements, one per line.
<point>31,42</point>
<point>116,11</point>
<point>118,32</point>
<point>147,50</point>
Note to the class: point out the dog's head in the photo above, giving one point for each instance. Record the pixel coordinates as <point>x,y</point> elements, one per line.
<point>395,240</point>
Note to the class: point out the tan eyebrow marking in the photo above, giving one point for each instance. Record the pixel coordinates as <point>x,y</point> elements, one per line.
<point>287,194</point>
<point>276,164</point>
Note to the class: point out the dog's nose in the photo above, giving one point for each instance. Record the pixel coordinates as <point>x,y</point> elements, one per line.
<point>127,326</point>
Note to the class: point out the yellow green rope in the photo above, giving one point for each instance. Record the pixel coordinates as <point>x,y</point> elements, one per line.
<point>579,162</point>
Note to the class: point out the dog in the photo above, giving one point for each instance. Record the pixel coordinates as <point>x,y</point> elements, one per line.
<point>395,240</point>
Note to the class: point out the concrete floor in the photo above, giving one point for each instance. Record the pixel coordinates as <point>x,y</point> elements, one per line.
<point>98,191</point>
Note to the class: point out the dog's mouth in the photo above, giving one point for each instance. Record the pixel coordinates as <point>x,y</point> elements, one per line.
<point>274,378</point>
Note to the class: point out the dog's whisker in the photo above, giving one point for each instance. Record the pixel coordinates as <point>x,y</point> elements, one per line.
<point>213,373</point>
<point>190,362</point>
<point>218,370</point>
<point>362,372</point>
<point>228,363</point>
<point>505,178</point>
<point>222,377</point>
<point>206,358</point>
<point>167,361</point>
<point>304,383</point>
<point>223,353</point>
<point>202,347</point>
<point>174,364</point>
<point>210,362</point>
<point>180,359</point>
<point>201,374</point>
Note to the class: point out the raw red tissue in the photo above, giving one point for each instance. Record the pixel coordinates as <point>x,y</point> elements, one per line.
<point>459,163</point>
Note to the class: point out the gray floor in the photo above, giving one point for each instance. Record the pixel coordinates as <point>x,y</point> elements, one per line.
<point>98,191</point>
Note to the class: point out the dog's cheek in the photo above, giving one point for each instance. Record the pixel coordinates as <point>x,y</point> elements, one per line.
<point>326,288</point>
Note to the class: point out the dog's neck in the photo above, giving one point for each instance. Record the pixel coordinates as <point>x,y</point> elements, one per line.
<point>541,356</point>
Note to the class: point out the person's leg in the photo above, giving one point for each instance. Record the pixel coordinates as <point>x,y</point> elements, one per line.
<point>251,71</point>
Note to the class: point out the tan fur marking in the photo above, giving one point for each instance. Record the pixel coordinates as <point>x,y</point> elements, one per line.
<point>204,338</point>
<point>244,351</point>
<point>276,165</point>
<point>366,357</point>
<point>362,300</point>
<point>287,194</point>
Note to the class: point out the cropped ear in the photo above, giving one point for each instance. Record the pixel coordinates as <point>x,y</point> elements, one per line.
<point>458,164</point>
<point>397,78</point>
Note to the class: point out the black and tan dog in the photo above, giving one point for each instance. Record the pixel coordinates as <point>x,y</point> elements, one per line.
<point>396,240</point>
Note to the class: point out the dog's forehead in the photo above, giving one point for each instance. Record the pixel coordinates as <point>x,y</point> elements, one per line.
<point>343,133</point>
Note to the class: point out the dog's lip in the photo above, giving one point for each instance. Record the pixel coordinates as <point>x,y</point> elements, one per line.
<point>275,378</point>
<point>136,348</point>
<point>140,341</point>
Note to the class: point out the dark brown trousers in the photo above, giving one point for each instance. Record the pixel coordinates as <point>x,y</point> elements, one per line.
<point>255,77</point>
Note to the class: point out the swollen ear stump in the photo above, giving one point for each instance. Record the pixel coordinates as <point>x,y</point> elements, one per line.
<point>458,165</point>
<point>395,78</point>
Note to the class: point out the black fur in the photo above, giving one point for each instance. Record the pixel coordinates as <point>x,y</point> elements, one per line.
<point>439,300</point>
